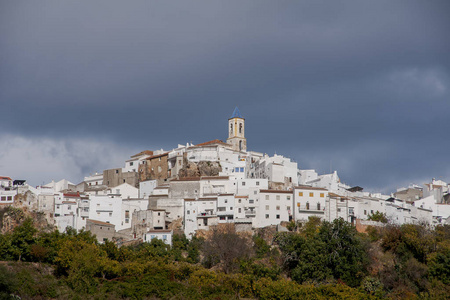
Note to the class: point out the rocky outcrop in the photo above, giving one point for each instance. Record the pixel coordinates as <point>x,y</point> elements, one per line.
<point>202,168</point>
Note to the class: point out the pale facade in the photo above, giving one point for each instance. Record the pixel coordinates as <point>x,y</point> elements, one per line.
<point>308,202</point>
<point>274,207</point>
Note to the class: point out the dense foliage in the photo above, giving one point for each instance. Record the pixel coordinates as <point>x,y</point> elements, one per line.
<point>320,260</point>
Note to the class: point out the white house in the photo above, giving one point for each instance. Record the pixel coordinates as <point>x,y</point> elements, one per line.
<point>163,235</point>
<point>309,201</point>
<point>107,208</point>
<point>199,214</point>
<point>226,208</point>
<point>125,191</point>
<point>274,206</point>
<point>146,188</point>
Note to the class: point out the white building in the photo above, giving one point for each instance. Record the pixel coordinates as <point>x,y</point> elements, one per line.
<point>274,207</point>
<point>163,235</point>
<point>125,191</point>
<point>107,208</point>
<point>94,179</point>
<point>132,165</point>
<point>226,207</point>
<point>309,201</point>
<point>277,169</point>
<point>146,188</point>
<point>200,214</point>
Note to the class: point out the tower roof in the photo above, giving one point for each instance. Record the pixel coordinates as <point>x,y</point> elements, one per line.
<point>236,114</point>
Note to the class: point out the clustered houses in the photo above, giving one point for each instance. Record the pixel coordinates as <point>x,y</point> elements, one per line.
<point>194,187</point>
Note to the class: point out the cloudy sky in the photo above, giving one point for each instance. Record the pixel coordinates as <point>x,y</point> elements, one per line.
<point>361,87</point>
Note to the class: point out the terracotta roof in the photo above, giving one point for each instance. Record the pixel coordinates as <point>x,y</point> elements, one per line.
<point>145,152</point>
<point>77,194</point>
<point>216,141</point>
<point>69,202</point>
<point>307,187</point>
<point>189,199</point>
<point>204,198</point>
<point>5,178</point>
<point>99,222</point>
<point>156,156</point>
<point>230,194</point>
<point>276,191</point>
<point>240,196</point>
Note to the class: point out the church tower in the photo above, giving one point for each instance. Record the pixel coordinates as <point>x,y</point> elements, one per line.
<point>236,131</point>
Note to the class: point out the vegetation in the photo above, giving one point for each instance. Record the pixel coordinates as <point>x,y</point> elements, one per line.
<point>320,260</point>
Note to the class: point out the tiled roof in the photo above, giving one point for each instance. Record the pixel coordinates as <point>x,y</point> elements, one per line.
<point>99,222</point>
<point>216,141</point>
<point>5,178</point>
<point>145,152</point>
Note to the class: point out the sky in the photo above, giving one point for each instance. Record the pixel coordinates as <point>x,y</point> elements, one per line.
<point>361,87</point>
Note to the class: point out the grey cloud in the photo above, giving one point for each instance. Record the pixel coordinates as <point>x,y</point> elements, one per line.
<point>312,78</point>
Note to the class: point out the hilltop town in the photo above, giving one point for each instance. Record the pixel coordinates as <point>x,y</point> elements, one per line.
<point>194,188</point>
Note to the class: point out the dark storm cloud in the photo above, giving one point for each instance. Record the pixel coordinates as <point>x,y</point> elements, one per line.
<point>362,84</point>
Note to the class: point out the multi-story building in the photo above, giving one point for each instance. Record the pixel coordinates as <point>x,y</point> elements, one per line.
<point>309,201</point>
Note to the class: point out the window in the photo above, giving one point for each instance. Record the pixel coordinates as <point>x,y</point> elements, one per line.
<point>278,216</point>
<point>278,197</point>
<point>257,183</point>
<point>288,197</point>
<point>69,207</point>
<point>267,216</point>
<point>307,205</point>
<point>117,171</point>
<point>239,201</point>
<point>188,212</point>
<point>226,201</point>
<point>365,212</point>
<point>278,207</point>
<point>267,197</point>
<point>267,207</point>
<point>288,208</point>
<point>255,192</point>
<point>131,163</point>
<point>251,201</point>
<point>124,181</point>
<point>159,169</point>
<point>318,206</point>
<point>236,169</point>
<point>164,237</point>
<point>311,194</point>
<point>110,214</point>
<point>240,127</point>
<point>3,198</point>
<point>322,195</point>
<point>300,194</point>
<point>243,183</point>
<point>371,212</point>
<point>339,210</point>
<point>239,210</point>
<point>242,170</point>
<point>159,214</point>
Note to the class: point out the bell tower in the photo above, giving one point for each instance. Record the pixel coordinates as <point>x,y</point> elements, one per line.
<point>236,131</point>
